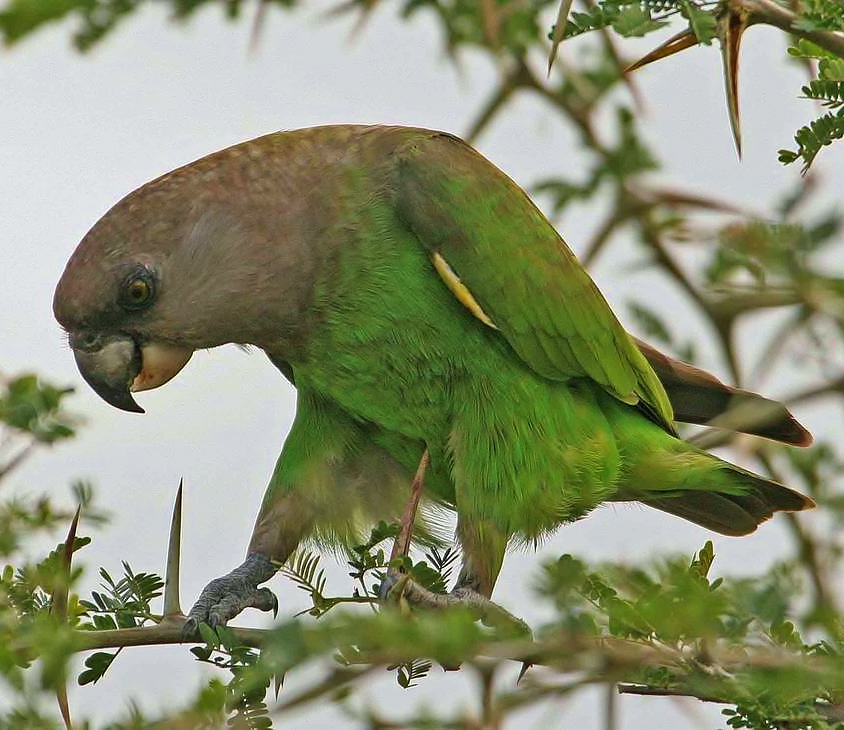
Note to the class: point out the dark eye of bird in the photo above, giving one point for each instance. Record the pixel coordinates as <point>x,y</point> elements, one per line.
<point>137,291</point>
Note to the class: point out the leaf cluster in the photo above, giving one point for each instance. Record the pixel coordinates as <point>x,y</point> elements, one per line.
<point>512,29</point>
<point>666,628</point>
<point>95,19</point>
<point>637,18</point>
<point>121,604</point>
<point>243,697</point>
<point>29,627</point>
<point>34,408</point>
<point>827,88</point>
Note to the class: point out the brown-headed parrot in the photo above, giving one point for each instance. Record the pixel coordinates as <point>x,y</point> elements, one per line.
<point>418,300</point>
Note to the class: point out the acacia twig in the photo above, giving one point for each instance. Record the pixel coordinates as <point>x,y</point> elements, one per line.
<point>834,713</point>
<point>771,13</point>
<point>401,546</point>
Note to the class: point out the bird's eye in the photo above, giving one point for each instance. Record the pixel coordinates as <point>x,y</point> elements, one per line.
<point>138,290</point>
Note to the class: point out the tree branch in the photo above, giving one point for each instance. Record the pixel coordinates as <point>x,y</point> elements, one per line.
<point>770,13</point>
<point>834,713</point>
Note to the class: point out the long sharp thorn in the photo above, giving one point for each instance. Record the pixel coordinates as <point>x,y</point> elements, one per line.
<point>58,606</point>
<point>58,601</point>
<point>733,25</point>
<point>174,554</point>
<point>64,706</point>
<point>523,671</point>
<point>559,30</point>
<point>676,43</point>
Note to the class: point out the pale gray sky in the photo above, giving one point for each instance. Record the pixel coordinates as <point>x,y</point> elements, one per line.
<point>79,132</point>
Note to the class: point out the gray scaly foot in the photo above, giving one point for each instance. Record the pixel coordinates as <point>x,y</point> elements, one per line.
<point>225,597</point>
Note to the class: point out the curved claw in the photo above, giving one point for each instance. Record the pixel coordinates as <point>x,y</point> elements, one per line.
<point>190,629</point>
<point>225,597</point>
<point>226,602</point>
<point>266,600</point>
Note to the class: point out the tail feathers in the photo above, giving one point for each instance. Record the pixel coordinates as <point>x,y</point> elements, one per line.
<point>699,397</point>
<point>750,501</point>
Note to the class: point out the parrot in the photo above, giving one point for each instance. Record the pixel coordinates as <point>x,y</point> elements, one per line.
<point>420,304</point>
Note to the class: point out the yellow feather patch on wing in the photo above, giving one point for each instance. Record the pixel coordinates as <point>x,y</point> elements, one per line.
<point>459,289</point>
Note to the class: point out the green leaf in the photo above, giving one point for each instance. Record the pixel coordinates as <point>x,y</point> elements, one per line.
<point>704,23</point>
<point>829,92</point>
<point>428,577</point>
<point>35,408</point>
<point>21,17</point>
<point>202,652</point>
<point>702,562</point>
<point>97,664</point>
<point>636,21</point>
<point>831,68</point>
<point>209,636</point>
<point>812,138</point>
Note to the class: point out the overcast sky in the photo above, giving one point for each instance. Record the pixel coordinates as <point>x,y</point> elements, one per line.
<point>79,132</point>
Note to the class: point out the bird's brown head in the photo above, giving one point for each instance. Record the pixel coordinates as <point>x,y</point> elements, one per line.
<point>112,301</point>
<point>179,264</point>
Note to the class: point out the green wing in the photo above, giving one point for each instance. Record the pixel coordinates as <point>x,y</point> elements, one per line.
<point>503,259</point>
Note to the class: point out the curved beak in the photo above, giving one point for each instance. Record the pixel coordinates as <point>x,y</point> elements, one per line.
<point>119,366</point>
<point>110,370</point>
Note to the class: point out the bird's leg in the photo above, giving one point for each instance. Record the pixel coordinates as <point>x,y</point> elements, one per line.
<point>310,476</point>
<point>483,553</point>
<point>225,597</point>
<point>481,564</point>
<point>280,525</point>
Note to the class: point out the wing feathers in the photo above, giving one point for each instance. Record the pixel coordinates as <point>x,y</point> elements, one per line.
<point>459,289</point>
<point>518,271</point>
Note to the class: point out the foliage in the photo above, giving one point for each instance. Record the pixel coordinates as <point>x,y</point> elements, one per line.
<point>767,647</point>
<point>123,604</point>
<point>512,29</point>
<point>32,414</point>
<point>828,90</point>
<point>96,18</point>
<point>669,628</point>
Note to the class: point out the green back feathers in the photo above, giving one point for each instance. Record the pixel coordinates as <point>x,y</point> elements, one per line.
<point>507,263</point>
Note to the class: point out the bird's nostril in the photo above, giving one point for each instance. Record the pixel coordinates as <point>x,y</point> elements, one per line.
<point>85,340</point>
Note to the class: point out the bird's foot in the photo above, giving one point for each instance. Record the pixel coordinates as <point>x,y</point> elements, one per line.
<point>225,597</point>
<point>398,586</point>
